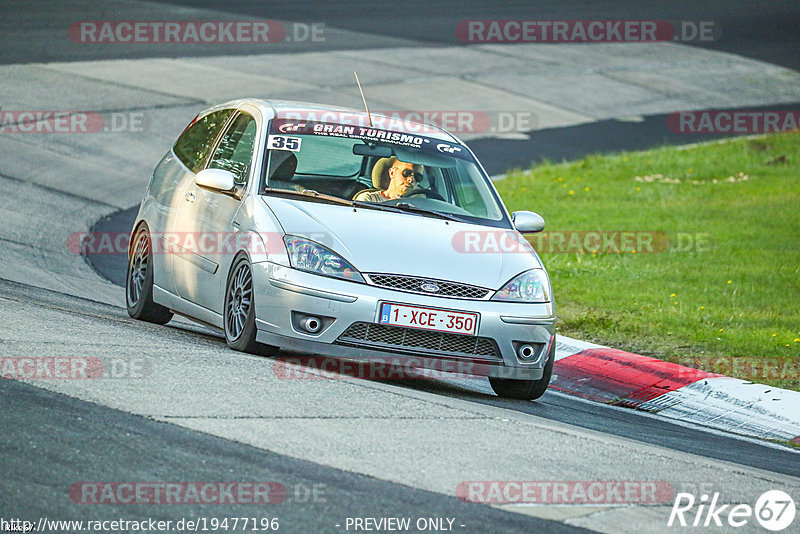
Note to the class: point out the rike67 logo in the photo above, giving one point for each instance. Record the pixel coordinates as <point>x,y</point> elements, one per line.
<point>774,510</point>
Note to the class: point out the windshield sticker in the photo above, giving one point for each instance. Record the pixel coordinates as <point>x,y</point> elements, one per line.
<point>283,142</point>
<point>444,147</point>
<point>365,133</point>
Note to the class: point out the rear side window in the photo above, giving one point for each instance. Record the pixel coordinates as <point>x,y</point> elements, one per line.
<point>235,150</point>
<point>197,140</point>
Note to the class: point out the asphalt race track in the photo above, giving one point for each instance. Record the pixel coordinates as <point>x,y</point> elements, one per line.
<point>151,447</point>
<point>554,406</point>
<point>764,30</point>
<point>185,408</point>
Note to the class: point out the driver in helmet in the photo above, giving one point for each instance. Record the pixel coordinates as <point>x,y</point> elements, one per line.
<point>403,177</point>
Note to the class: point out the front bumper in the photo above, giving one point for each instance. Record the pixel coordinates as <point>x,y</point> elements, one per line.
<point>283,294</point>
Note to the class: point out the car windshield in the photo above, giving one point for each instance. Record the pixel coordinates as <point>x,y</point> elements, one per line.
<point>379,168</point>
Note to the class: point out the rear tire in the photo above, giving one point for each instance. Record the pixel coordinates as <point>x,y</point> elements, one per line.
<point>139,281</point>
<point>525,389</point>
<point>239,310</point>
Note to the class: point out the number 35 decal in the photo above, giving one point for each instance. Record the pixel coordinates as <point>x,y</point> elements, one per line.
<point>283,142</point>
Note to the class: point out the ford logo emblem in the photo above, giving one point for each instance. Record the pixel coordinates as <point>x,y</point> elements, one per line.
<point>430,287</point>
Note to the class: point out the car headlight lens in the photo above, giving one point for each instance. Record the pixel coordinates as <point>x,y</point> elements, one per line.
<point>309,256</point>
<point>530,286</point>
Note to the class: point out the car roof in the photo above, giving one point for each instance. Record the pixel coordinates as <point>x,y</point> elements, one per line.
<point>289,108</point>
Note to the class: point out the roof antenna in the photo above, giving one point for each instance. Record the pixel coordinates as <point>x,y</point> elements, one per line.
<point>364,99</point>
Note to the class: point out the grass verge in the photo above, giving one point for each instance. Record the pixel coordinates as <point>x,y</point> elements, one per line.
<point>715,281</point>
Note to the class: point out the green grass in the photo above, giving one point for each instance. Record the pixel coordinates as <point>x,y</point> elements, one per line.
<point>737,298</point>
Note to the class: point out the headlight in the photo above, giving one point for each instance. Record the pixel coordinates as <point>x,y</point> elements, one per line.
<point>308,256</point>
<point>530,286</point>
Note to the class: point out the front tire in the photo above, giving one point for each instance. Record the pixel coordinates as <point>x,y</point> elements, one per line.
<point>139,281</point>
<point>240,310</point>
<point>525,389</point>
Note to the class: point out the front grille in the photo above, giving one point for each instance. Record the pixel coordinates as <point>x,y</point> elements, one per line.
<point>419,341</point>
<point>413,284</point>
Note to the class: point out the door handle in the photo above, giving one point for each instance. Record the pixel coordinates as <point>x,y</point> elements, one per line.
<point>189,197</point>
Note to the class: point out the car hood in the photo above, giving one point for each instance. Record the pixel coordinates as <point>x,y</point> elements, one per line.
<point>383,242</point>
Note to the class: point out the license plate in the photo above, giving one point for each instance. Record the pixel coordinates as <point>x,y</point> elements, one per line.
<point>429,318</point>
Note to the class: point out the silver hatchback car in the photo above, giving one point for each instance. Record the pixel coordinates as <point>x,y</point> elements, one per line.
<point>329,231</point>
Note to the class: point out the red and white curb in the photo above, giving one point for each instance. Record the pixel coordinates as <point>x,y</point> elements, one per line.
<point>625,379</point>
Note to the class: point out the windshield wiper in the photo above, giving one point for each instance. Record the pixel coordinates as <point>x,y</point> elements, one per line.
<point>400,207</point>
<point>309,194</point>
<point>405,206</point>
<point>374,206</point>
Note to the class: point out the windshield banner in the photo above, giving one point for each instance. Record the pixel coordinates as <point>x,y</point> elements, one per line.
<point>292,126</point>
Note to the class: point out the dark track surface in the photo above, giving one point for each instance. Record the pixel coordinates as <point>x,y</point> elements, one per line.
<point>765,30</point>
<point>606,136</point>
<point>632,425</point>
<point>95,443</point>
<point>760,29</point>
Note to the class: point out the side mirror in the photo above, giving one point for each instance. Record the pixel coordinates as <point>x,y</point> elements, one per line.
<point>527,222</point>
<point>215,179</point>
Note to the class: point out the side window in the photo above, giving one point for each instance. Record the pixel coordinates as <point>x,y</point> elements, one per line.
<point>467,195</point>
<point>196,141</point>
<point>235,150</point>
